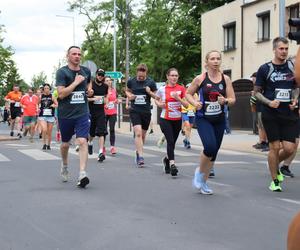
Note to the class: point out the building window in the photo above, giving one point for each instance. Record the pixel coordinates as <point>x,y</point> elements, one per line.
<point>229,36</point>
<point>263,26</point>
<point>227,72</point>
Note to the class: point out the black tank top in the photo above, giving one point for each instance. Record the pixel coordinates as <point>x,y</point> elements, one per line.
<point>208,94</point>
<point>46,109</point>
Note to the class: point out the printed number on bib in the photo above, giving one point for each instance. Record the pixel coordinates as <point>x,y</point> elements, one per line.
<point>110,105</point>
<point>77,97</point>
<point>140,99</point>
<point>174,109</point>
<point>283,95</point>
<point>17,104</point>
<point>190,113</point>
<point>47,112</point>
<point>99,100</point>
<point>212,108</point>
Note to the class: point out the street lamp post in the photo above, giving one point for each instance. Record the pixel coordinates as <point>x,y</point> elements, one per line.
<point>73,22</point>
<point>115,43</point>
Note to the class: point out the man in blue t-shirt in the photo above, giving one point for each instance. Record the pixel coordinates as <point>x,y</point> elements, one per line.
<point>73,83</point>
<point>275,88</point>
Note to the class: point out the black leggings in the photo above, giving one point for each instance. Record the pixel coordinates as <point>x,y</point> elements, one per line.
<point>171,130</point>
<point>111,119</point>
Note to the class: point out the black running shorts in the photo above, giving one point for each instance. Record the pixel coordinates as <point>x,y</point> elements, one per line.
<point>139,118</point>
<point>280,129</point>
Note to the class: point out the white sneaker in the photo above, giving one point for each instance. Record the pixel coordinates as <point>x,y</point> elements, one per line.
<point>64,173</point>
<point>161,142</point>
<point>83,180</point>
<point>77,148</point>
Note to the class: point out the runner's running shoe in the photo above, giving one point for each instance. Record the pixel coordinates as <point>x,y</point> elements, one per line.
<point>113,150</point>
<point>280,176</point>
<point>160,142</point>
<point>212,173</point>
<point>286,172</point>
<point>48,147</point>
<point>205,189</point>
<point>188,144</point>
<point>275,186</point>
<point>83,180</point>
<point>44,147</point>
<point>185,142</point>
<point>166,164</point>
<point>11,133</point>
<point>173,170</point>
<point>64,173</point>
<point>198,179</point>
<point>77,147</point>
<point>90,149</point>
<point>101,157</point>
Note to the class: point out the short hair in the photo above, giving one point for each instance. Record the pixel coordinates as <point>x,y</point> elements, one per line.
<point>142,67</point>
<point>171,69</point>
<point>279,39</point>
<point>72,47</point>
<point>47,84</point>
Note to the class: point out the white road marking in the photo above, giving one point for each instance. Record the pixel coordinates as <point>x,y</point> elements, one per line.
<point>290,201</point>
<point>265,162</point>
<point>223,151</point>
<point>177,152</point>
<point>187,164</point>
<point>130,152</point>
<point>231,162</point>
<point>17,145</point>
<point>3,158</point>
<point>38,154</point>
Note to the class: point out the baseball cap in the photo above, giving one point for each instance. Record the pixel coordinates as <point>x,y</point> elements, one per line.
<point>100,72</point>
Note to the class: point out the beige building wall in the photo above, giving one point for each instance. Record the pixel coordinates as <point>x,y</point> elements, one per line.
<point>254,53</point>
<point>213,34</point>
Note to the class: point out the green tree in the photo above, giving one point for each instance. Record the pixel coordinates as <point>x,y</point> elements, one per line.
<point>38,80</point>
<point>8,71</point>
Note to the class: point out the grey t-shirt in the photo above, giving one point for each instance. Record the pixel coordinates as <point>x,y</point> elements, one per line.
<point>142,102</point>
<point>75,105</point>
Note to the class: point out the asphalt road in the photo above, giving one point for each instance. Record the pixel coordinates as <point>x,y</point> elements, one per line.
<point>125,207</point>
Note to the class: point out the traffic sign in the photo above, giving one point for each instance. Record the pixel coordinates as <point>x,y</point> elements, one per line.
<point>114,74</point>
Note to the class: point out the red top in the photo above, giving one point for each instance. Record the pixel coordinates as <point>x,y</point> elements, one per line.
<point>30,105</point>
<point>172,110</point>
<point>111,106</point>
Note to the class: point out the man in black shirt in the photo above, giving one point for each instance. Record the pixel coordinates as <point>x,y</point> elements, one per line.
<point>96,105</point>
<point>275,88</point>
<point>139,91</point>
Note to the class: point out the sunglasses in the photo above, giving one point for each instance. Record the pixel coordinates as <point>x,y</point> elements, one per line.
<point>100,74</point>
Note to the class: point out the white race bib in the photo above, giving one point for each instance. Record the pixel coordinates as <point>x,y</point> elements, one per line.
<point>99,100</point>
<point>174,109</point>
<point>77,97</point>
<point>212,108</point>
<point>140,100</point>
<point>47,112</point>
<point>110,105</point>
<point>283,95</point>
<point>17,104</point>
<point>190,113</point>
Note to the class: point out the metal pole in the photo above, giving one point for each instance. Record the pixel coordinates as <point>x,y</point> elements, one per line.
<point>127,42</point>
<point>282,18</point>
<point>115,42</point>
<point>74,41</point>
<point>73,22</point>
